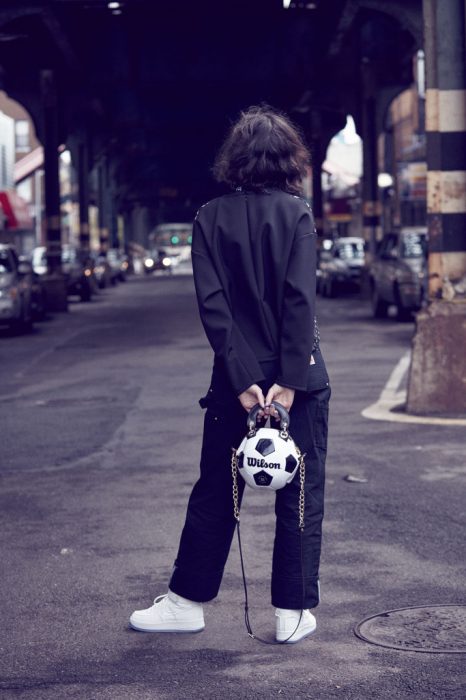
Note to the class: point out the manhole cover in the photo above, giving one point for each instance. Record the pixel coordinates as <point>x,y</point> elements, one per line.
<point>438,629</point>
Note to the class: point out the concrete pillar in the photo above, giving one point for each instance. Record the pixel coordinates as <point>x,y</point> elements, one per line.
<point>438,370</point>
<point>54,281</point>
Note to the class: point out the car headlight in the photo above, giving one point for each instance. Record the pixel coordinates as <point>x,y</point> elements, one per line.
<point>148,262</point>
<point>11,292</point>
<point>87,272</point>
<point>166,262</point>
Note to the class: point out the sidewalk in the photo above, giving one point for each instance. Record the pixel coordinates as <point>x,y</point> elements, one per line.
<point>92,509</point>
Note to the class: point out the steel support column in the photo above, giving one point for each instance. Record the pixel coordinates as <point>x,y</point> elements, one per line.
<point>446,140</point>
<point>54,281</point>
<point>102,206</point>
<point>83,186</point>
<point>370,206</point>
<point>438,369</point>
<point>317,201</point>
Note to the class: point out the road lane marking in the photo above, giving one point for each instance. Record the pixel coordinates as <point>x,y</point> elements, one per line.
<point>393,397</point>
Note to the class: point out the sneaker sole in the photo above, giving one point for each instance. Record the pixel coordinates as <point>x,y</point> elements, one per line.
<point>295,641</point>
<point>155,629</point>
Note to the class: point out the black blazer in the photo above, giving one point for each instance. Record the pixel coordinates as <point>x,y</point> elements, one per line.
<point>254,263</point>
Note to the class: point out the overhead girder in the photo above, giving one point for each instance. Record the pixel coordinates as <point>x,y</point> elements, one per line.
<point>155,89</point>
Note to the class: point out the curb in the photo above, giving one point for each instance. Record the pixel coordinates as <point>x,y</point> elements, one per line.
<point>391,400</point>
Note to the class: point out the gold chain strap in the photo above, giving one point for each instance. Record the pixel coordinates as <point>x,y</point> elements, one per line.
<point>302,478</point>
<point>234,473</point>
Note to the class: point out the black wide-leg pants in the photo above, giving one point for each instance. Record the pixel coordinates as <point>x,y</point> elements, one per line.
<point>209,527</point>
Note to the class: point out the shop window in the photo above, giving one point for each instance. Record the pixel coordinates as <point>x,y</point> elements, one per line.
<point>22,135</point>
<point>3,168</point>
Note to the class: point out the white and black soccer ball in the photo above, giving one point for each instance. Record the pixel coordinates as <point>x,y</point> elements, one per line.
<point>268,459</point>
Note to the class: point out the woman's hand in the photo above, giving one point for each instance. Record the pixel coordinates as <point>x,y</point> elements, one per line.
<point>251,396</point>
<point>282,394</point>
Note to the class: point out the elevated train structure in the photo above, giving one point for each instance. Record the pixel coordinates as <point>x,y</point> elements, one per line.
<point>142,94</point>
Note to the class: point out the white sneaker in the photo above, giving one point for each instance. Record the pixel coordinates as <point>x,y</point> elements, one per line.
<point>169,613</point>
<point>286,623</point>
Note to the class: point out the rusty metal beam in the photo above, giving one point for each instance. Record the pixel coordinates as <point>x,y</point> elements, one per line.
<point>408,15</point>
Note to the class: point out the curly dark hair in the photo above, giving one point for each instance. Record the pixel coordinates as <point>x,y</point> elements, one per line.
<point>263,149</point>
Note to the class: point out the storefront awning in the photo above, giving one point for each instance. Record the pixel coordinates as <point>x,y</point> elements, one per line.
<point>26,166</point>
<point>15,210</point>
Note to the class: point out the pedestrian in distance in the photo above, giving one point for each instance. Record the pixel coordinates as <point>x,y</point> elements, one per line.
<point>254,264</point>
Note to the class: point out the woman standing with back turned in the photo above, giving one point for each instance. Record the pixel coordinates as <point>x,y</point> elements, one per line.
<point>254,262</point>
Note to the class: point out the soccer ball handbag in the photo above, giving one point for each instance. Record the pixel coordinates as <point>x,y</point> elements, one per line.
<point>267,459</point>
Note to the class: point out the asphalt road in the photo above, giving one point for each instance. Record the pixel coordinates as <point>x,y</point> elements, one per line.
<point>100,436</point>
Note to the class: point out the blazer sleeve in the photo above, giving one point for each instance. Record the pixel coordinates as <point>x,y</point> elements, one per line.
<point>223,334</point>
<point>298,311</point>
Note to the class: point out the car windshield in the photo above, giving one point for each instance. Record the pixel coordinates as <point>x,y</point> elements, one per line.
<point>351,251</point>
<point>5,263</point>
<point>68,255</point>
<point>39,256</point>
<point>413,245</point>
<point>173,237</point>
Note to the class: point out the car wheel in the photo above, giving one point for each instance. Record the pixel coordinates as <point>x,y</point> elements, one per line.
<point>23,324</point>
<point>39,311</point>
<point>379,306</point>
<point>402,313</point>
<point>27,325</point>
<point>85,294</point>
<point>331,288</point>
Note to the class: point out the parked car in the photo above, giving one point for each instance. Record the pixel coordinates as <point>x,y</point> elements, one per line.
<point>341,266</point>
<point>160,260</point>
<point>15,290</point>
<point>101,270</point>
<point>125,267</point>
<point>397,275</point>
<point>77,268</point>
<point>38,297</point>
<point>118,265</point>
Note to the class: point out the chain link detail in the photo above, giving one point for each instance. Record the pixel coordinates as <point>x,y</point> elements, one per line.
<point>234,474</point>
<point>302,478</point>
